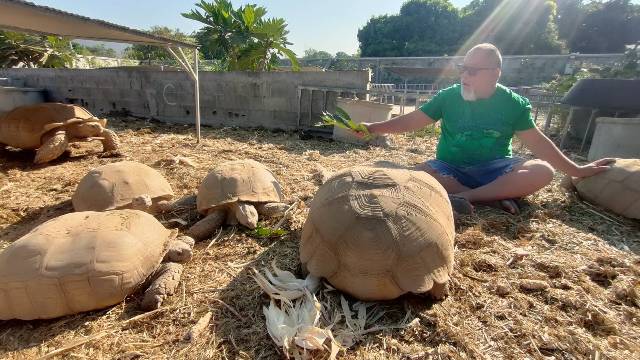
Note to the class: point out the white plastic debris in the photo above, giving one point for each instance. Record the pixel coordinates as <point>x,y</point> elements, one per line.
<point>299,323</point>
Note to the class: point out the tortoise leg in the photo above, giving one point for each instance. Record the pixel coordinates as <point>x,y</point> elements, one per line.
<point>165,281</point>
<point>179,250</point>
<point>207,226</point>
<point>231,219</point>
<point>439,291</point>
<point>272,209</point>
<point>165,206</point>
<point>110,141</point>
<point>245,213</point>
<point>52,148</point>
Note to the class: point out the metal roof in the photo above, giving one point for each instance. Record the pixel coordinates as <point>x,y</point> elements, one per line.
<point>23,16</point>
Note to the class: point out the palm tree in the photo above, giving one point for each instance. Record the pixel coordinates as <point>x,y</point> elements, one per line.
<point>242,37</point>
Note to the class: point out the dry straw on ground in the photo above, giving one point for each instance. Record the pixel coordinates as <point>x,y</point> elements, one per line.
<point>559,281</point>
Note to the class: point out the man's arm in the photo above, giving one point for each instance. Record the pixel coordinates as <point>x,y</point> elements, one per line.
<point>546,150</point>
<point>412,121</point>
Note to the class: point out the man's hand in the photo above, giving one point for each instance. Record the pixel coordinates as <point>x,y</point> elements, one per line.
<point>546,150</point>
<point>362,134</point>
<point>594,168</point>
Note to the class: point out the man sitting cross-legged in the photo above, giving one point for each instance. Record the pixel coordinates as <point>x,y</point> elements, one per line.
<point>479,118</point>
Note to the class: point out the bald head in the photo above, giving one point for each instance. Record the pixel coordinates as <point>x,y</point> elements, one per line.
<point>490,52</point>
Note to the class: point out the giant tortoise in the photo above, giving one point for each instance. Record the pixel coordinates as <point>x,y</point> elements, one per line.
<point>236,191</point>
<point>123,185</point>
<point>377,233</point>
<point>50,127</point>
<point>617,189</point>
<point>85,261</point>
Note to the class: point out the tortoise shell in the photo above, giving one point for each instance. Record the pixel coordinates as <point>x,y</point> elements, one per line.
<point>377,233</point>
<point>24,126</point>
<point>617,189</point>
<point>114,186</point>
<point>241,180</point>
<point>79,262</point>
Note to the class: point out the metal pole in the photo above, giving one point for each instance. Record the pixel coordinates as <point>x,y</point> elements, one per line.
<point>547,122</point>
<point>565,130</point>
<point>299,106</point>
<point>197,93</point>
<point>586,133</point>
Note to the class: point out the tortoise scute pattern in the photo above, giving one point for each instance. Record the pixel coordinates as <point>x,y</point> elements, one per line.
<point>79,262</point>
<point>378,233</point>
<point>242,180</point>
<point>617,189</point>
<point>114,186</point>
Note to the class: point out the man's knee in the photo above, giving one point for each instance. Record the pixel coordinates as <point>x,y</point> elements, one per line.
<point>542,170</point>
<point>427,168</point>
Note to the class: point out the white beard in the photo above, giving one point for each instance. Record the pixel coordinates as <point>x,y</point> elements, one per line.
<point>468,94</point>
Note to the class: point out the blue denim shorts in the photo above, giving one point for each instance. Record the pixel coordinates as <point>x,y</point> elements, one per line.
<point>476,175</point>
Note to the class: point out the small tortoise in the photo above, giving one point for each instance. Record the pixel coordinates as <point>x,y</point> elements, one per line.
<point>50,127</point>
<point>89,260</point>
<point>123,185</point>
<point>237,191</point>
<point>617,189</point>
<point>377,233</point>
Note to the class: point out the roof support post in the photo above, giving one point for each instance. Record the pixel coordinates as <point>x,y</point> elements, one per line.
<point>193,73</point>
<point>197,94</point>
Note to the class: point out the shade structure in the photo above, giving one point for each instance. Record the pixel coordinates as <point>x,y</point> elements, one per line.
<point>22,16</point>
<point>605,94</point>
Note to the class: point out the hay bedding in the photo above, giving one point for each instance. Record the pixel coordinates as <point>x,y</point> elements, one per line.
<point>559,281</point>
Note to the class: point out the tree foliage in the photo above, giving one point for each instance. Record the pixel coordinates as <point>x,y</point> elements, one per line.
<point>242,38</point>
<point>94,50</point>
<point>423,28</point>
<point>600,27</point>
<point>316,54</point>
<point>517,27</point>
<point>151,52</point>
<point>23,50</point>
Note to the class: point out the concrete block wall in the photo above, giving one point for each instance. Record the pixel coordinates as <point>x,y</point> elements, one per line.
<point>245,99</point>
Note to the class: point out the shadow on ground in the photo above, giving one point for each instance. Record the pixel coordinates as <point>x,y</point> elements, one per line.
<point>34,218</point>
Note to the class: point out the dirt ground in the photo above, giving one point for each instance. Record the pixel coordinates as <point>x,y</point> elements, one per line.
<point>586,255</point>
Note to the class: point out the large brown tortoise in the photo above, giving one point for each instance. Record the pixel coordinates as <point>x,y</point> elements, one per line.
<point>237,191</point>
<point>377,233</point>
<point>50,127</point>
<point>89,260</point>
<point>617,189</point>
<point>123,185</point>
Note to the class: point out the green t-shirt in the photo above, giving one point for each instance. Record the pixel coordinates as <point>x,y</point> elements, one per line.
<point>474,132</point>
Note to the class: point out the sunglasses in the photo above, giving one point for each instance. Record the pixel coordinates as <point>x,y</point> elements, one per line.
<point>472,71</point>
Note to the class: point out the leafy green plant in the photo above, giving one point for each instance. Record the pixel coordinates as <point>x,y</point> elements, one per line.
<point>342,119</point>
<point>628,68</point>
<point>267,233</point>
<point>242,38</point>
<point>19,49</point>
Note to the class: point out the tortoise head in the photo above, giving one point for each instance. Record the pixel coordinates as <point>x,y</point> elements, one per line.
<point>84,129</point>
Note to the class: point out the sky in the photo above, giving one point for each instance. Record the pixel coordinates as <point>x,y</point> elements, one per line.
<point>329,25</point>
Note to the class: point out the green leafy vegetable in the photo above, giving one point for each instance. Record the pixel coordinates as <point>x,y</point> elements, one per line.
<point>341,119</point>
<point>264,232</point>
